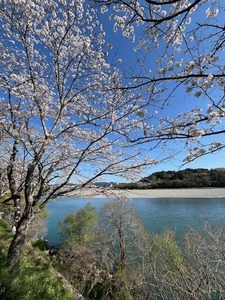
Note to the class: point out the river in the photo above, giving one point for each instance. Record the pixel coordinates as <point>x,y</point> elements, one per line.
<point>157,214</point>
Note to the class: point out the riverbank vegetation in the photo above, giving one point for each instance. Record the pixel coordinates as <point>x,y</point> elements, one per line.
<point>33,278</point>
<point>188,178</point>
<point>115,258</point>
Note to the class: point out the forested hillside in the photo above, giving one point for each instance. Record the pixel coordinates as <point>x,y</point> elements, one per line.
<point>187,178</point>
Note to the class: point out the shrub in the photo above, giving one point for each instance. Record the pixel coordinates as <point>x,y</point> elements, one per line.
<point>41,244</point>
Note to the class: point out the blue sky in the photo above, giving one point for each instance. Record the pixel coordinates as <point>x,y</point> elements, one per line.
<point>123,48</point>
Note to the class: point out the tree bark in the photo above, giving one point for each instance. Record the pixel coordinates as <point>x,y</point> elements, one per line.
<point>16,246</point>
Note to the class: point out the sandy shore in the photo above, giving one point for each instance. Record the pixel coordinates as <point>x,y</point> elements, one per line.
<point>178,193</point>
<point>158,193</point>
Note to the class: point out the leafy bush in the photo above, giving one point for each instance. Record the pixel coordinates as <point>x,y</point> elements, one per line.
<point>40,244</point>
<point>78,226</point>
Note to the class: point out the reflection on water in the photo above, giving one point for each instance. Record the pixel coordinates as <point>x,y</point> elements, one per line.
<point>157,214</point>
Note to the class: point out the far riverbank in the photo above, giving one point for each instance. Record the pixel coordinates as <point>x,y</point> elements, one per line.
<point>153,193</point>
<point>178,193</point>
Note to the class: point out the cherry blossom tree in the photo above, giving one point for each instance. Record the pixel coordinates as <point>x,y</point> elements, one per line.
<point>65,119</point>
<point>180,47</point>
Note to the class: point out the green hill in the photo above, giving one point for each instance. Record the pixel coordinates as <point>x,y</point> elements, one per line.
<point>188,178</point>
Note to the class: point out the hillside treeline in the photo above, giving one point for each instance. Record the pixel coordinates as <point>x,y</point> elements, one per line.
<point>188,178</point>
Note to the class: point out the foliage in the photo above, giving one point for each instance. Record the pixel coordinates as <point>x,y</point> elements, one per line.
<point>130,186</point>
<point>32,279</point>
<point>166,251</point>
<point>5,235</point>
<point>5,231</point>
<point>151,266</point>
<point>78,226</point>
<point>193,271</point>
<point>187,178</point>
<point>126,262</point>
<point>122,288</point>
<point>104,267</point>
<point>40,244</point>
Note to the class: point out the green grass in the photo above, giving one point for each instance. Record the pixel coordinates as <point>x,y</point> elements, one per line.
<point>5,236</point>
<point>34,278</point>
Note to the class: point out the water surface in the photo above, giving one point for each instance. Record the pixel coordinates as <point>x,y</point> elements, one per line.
<point>157,214</point>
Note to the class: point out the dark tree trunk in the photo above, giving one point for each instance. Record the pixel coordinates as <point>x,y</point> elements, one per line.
<point>122,250</point>
<point>16,246</point>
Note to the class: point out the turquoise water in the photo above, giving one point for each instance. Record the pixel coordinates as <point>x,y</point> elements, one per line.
<point>157,214</point>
